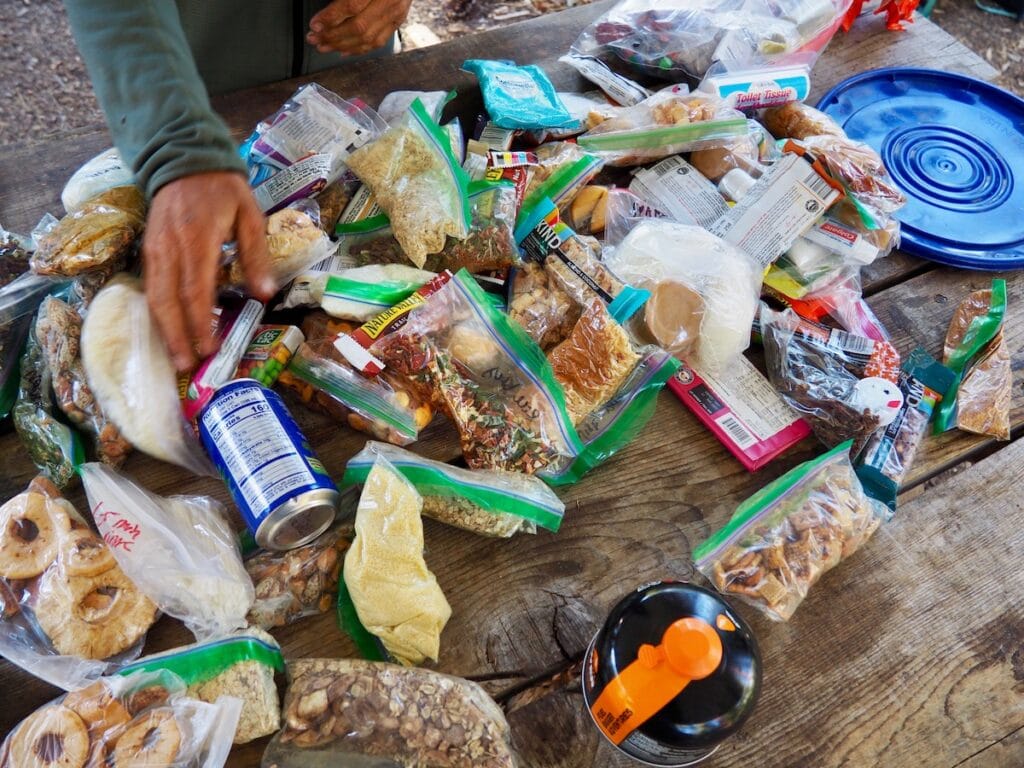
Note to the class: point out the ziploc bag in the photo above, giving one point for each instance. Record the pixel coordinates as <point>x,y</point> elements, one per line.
<point>383,406</point>
<point>68,613</point>
<point>563,168</point>
<point>418,182</point>
<point>487,375</point>
<point>519,97</point>
<point>665,124</point>
<point>574,262</point>
<point>133,378</point>
<point>19,300</point>
<point>241,666</point>
<point>488,502</point>
<point>359,697</point>
<point>360,293</point>
<point>179,551</point>
<point>140,720</point>
<point>782,539</point>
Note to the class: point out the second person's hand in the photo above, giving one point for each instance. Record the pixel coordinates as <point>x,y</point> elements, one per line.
<point>355,27</point>
<point>189,220</point>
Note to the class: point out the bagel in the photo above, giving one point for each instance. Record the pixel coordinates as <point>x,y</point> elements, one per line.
<point>51,737</point>
<point>99,709</point>
<point>151,740</point>
<point>93,617</point>
<point>28,536</point>
<point>83,553</point>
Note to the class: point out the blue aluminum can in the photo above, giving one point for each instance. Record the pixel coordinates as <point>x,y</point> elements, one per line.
<point>280,487</point>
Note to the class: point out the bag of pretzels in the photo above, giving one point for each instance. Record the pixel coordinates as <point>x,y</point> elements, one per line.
<point>145,719</point>
<point>68,613</point>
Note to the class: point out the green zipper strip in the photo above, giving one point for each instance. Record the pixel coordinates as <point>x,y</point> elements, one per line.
<point>562,181</point>
<point>440,139</point>
<point>205,662</point>
<point>762,503</point>
<point>362,226</point>
<point>386,292</point>
<point>664,137</point>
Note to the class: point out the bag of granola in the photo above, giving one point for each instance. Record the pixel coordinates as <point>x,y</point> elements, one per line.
<point>487,375</point>
<point>782,539</point>
<point>488,502</point>
<point>241,666</point>
<point>384,715</point>
<point>140,720</point>
<point>417,180</point>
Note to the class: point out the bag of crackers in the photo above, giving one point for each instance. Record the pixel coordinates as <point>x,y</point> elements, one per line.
<point>140,720</point>
<point>68,613</point>
<point>782,539</point>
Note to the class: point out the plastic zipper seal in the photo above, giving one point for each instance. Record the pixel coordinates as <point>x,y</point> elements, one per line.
<point>667,136</point>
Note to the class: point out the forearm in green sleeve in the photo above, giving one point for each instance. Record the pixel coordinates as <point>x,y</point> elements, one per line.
<point>149,88</point>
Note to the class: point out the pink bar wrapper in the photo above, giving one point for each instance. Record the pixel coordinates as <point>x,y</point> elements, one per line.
<point>743,411</point>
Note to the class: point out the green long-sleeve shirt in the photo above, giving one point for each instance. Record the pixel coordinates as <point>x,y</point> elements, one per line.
<point>152,61</point>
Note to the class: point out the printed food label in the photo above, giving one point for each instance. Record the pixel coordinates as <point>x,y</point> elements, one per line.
<point>839,238</point>
<point>680,190</point>
<point>305,179</point>
<point>620,89</point>
<point>316,124</point>
<point>783,204</point>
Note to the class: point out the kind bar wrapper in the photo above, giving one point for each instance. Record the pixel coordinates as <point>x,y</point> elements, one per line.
<point>783,204</point>
<point>354,345</point>
<point>743,410</point>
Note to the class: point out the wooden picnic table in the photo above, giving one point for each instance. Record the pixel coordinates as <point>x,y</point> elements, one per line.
<point>909,654</point>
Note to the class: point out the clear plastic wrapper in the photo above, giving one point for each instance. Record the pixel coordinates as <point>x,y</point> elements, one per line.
<point>14,259</point>
<point>240,666</point>
<point>782,539</point>
<point>105,171</point>
<point>588,211</point>
<point>133,378</point>
<point>385,406</point>
<point>749,153</point>
<point>623,212</point>
<point>395,718</point>
<point>59,333</point>
<point>840,384</point>
<point>179,551</point>
<point>975,349</point>
<point>334,199</point>
<point>69,612</point>
<point>800,121</point>
<point>297,583</point>
<point>418,182</point>
<point>665,124</point>
<point>485,373</point>
<point>704,291</point>
<point>488,502</point>
<point>19,300</point>
<point>360,293</point>
<point>395,595</point>
<point>141,720</point>
<point>519,97</point>
<point>100,233</point>
<point>540,306</point>
<point>397,103</point>
<point>561,171</point>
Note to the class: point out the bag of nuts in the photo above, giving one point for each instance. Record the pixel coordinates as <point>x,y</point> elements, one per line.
<point>413,717</point>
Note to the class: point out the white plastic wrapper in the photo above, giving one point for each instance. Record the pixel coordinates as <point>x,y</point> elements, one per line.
<point>105,171</point>
<point>397,103</point>
<point>704,291</point>
<point>180,551</point>
<point>144,719</point>
<point>133,378</point>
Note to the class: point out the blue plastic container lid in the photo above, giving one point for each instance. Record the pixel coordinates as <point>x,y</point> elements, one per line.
<point>955,146</point>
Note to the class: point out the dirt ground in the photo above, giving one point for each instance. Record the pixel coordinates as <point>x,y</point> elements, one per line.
<point>44,88</point>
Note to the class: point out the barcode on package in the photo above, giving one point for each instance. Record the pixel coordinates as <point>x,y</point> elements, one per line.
<point>818,187</point>
<point>736,431</point>
<point>496,138</point>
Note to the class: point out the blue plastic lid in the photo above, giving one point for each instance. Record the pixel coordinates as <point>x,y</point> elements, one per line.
<point>955,146</point>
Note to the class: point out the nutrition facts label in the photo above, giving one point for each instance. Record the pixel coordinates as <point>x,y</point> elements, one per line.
<point>256,450</point>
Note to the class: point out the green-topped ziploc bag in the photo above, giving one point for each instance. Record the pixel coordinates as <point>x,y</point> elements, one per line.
<point>568,177</point>
<point>488,502</point>
<point>240,665</point>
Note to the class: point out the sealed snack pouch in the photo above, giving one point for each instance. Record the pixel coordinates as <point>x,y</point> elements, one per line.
<point>98,174</point>
<point>782,539</point>
<point>396,597</point>
<point>373,713</point>
<point>145,719</point>
<point>889,454</point>
<point>562,169</point>
<point>488,502</point>
<point>519,97</point>
<point>483,371</point>
<point>297,583</point>
<point>133,378</point>
<point>575,263</point>
<point>19,300</point>
<point>295,242</point>
<point>68,613</point>
<point>418,182</point>
<point>240,665</point>
<point>842,385</point>
<point>976,351</point>
<point>665,124</point>
<point>98,235</point>
<point>610,389</point>
<point>59,331</point>
<point>703,291</point>
<point>179,551</point>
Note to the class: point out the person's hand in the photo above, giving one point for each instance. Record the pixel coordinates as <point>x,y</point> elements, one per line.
<point>354,27</point>
<point>189,219</point>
